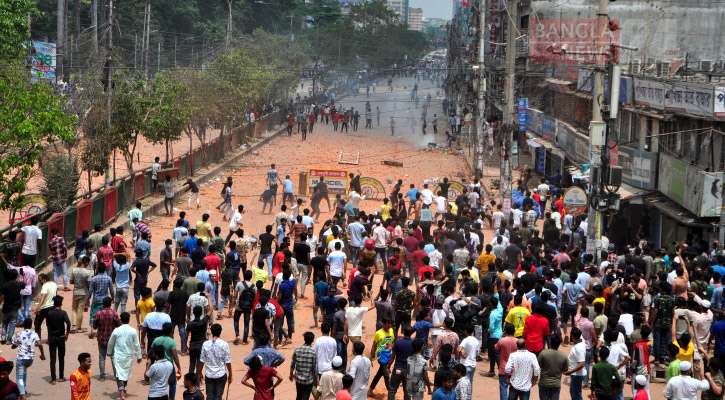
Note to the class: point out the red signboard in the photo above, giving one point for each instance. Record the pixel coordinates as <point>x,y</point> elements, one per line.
<point>336,180</point>
<point>581,41</point>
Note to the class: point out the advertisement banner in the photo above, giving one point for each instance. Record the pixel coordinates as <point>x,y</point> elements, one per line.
<point>575,201</point>
<point>43,62</point>
<point>649,93</point>
<point>335,179</point>
<point>691,98</point>
<point>454,190</point>
<point>720,102</point>
<point>564,41</point>
<point>372,188</point>
<point>712,190</point>
<point>671,179</point>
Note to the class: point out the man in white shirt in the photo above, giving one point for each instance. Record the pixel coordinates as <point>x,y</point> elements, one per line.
<point>577,361</point>
<point>517,214</point>
<point>381,236</point>
<point>684,387</point>
<point>326,349</point>
<point>557,218</point>
<point>354,319</point>
<point>497,217</point>
<point>440,207</point>
<point>235,223</point>
<point>312,240</point>
<point>216,361</point>
<point>427,195</point>
<point>360,372</point>
<point>354,199</point>
<point>523,370</point>
<point>468,350</point>
<point>338,264</point>
<point>307,220</point>
<point>33,237</point>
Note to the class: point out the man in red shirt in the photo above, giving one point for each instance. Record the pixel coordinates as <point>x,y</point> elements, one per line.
<point>313,118</point>
<point>279,259</point>
<point>418,262</point>
<point>536,328</point>
<point>410,243</point>
<point>290,123</point>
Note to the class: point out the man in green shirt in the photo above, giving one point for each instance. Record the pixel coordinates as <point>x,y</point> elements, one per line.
<point>553,363</point>
<point>604,373</point>
<point>674,368</point>
<point>169,345</point>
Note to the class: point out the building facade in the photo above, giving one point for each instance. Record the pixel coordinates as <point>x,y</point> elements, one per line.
<point>415,19</point>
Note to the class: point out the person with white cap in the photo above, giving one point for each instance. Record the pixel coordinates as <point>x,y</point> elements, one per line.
<point>330,381</point>
<point>702,322</point>
<point>684,386</point>
<point>640,381</point>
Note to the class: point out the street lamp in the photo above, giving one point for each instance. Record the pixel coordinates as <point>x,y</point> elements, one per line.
<point>175,47</point>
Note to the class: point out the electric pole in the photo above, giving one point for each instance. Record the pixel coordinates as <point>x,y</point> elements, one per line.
<point>109,85</point>
<point>509,119</point>
<point>94,21</point>
<point>480,120</point>
<point>60,42</point>
<point>597,139</point>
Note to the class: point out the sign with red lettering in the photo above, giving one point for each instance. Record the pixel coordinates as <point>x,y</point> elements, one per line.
<point>581,41</point>
<point>335,179</point>
<point>575,201</point>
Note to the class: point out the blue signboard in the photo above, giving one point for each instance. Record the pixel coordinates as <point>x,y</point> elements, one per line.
<point>542,160</point>
<point>523,105</point>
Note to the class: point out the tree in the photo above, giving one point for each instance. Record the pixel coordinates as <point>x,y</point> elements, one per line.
<point>60,181</point>
<point>31,114</point>
<point>130,113</point>
<point>172,109</point>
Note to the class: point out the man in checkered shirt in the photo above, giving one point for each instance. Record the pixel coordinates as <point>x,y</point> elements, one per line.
<point>58,255</point>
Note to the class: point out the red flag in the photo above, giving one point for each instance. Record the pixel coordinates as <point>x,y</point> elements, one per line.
<point>465,3</point>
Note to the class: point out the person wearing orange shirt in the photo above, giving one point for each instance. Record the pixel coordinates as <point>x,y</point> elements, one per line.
<point>80,379</point>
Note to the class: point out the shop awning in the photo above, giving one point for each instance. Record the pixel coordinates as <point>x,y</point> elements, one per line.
<point>533,143</point>
<point>629,193</point>
<point>676,212</point>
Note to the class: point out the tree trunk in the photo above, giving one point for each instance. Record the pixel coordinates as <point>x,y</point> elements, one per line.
<point>76,18</point>
<point>90,182</point>
<point>167,153</point>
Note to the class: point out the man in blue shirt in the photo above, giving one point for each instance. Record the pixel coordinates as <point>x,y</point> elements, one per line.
<point>719,267</point>
<point>355,232</point>
<point>234,257</point>
<point>288,192</point>
<point>412,194</point>
<point>446,391</point>
<point>144,245</point>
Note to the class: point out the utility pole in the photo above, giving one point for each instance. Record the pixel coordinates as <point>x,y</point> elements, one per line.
<point>60,42</point>
<point>229,26</point>
<point>174,51</point>
<point>509,120</point>
<point>148,41</point>
<point>94,21</point>
<point>135,46</point>
<point>480,120</point>
<point>597,135</point>
<point>109,85</point>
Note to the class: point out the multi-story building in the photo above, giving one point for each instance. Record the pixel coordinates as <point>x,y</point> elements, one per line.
<point>400,7</point>
<point>669,135</point>
<point>415,19</point>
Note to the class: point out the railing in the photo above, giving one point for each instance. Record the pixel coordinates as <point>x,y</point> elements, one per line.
<point>104,203</point>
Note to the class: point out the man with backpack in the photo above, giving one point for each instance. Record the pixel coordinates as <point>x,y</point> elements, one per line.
<point>244,294</point>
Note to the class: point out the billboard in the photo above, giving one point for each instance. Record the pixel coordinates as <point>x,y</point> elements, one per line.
<point>43,62</point>
<point>336,180</point>
<point>581,41</point>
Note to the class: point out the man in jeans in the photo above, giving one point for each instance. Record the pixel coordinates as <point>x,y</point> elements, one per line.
<point>303,368</point>
<point>106,320</point>
<point>176,308</point>
<point>302,252</point>
<point>215,356</point>
<point>58,325</point>
<point>402,349</point>
<point>10,296</point>
<point>577,360</point>
<point>100,287</point>
<point>168,186</point>
<point>522,372</point>
<point>80,278</point>
<point>243,305</point>
<point>59,254</point>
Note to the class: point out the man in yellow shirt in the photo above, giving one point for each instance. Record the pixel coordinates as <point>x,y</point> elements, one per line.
<point>485,259</point>
<point>517,316</point>
<point>259,273</point>
<point>80,379</point>
<point>203,228</point>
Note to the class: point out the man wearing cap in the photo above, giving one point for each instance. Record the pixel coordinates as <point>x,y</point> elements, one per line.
<point>703,322</point>
<point>330,381</point>
<point>684,386</point>
<point>639,383</point>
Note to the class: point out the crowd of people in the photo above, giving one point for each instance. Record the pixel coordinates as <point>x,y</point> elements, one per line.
<point>448,301</point>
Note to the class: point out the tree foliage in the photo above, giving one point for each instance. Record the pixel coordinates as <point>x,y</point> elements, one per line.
<point>171,110</point>
<point>31,114</point>
<point>60,181</point>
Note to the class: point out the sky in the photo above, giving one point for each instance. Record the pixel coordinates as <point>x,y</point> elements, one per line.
<point>434,8</point>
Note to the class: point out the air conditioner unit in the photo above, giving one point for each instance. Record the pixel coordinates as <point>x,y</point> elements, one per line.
<point>706,65</point>
<point>635,67</point>
<point>614,176</point>
<point>663,69</point>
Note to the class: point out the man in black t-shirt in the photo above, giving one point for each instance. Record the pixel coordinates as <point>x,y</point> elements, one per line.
<point>260,320</point>
<point>141,267</point>
<point>319,263</point>
<point>266,240</point>
<point>302,255</point>
<point>196,336</point>
<point>10,297</point>
<point>176,308</point>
